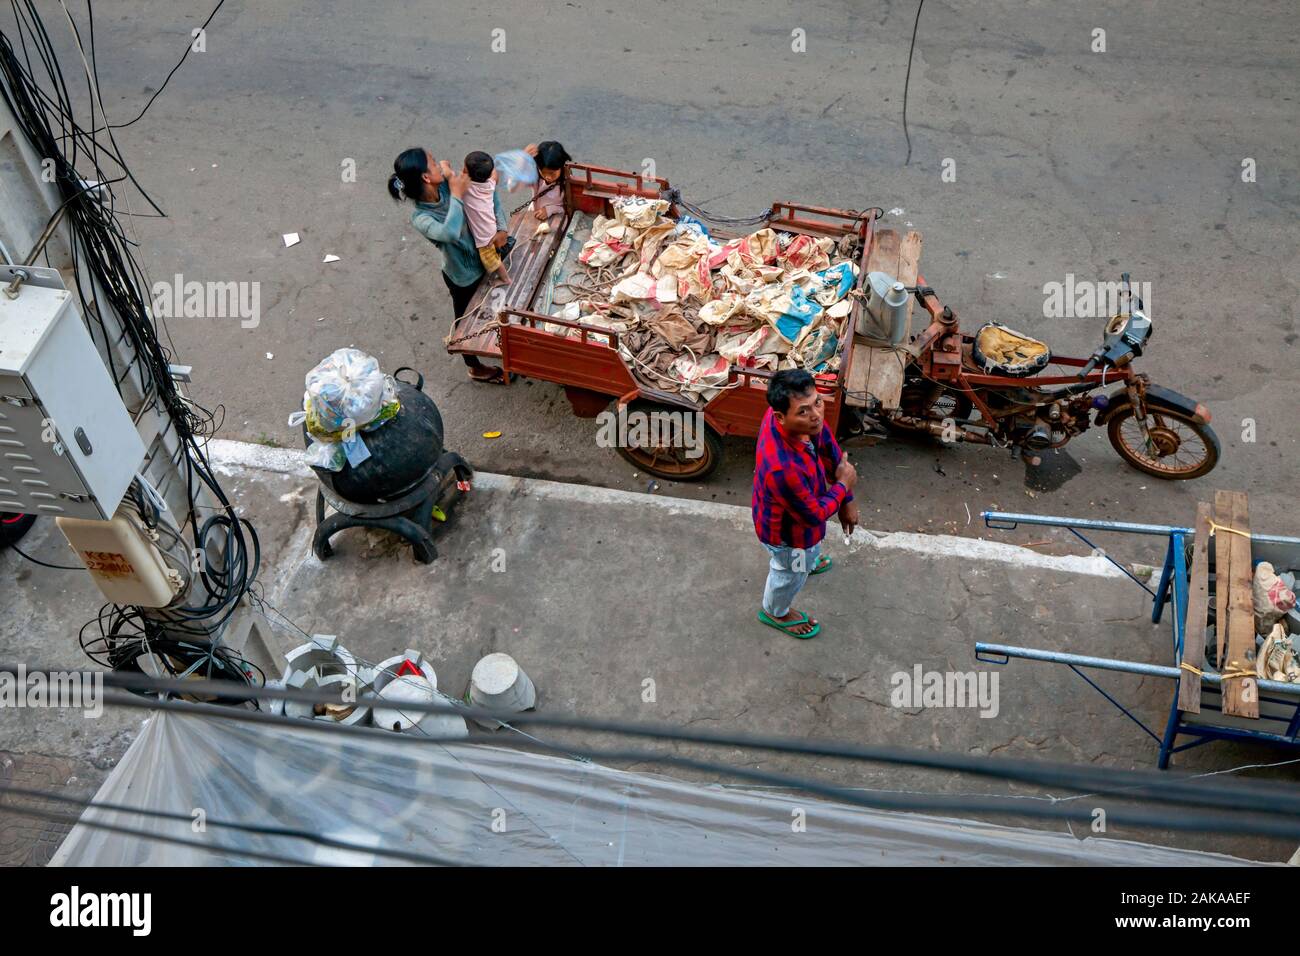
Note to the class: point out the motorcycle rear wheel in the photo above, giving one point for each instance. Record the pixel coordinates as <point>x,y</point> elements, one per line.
<point>1180,448</point>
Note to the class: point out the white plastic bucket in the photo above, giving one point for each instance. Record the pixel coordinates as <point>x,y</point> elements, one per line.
<point>499,683</point>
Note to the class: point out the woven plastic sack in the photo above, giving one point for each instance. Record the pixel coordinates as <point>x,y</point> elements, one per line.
<point>814,348</point>
<point>689,225</point>
<point>1276,659</point>
<point>699,375</point>
<point>722,310</point>
<point>835,283</point>
<point>797,315</point>
<point>740,345</point>
<point>805,252</point>
<point>639,212</point>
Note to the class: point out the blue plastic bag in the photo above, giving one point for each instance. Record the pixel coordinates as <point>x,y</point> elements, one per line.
<point>515,168</point>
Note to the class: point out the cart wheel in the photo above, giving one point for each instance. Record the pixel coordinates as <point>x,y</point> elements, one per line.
<point>658,446</point>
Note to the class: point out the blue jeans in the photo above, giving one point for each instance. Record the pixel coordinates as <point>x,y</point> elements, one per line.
<point>787,573</point>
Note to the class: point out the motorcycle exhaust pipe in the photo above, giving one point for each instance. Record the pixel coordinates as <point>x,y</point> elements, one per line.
<point>946,433</point>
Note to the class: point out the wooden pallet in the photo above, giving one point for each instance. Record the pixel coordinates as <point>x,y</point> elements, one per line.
<point>876,371</point>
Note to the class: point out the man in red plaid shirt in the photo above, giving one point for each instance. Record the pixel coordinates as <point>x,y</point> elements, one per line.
<point>793,499</point>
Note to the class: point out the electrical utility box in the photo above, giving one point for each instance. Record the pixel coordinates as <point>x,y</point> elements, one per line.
<point>68,446</point>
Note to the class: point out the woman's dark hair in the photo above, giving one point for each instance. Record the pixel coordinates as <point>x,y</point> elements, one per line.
<point>785,384</point>
<point>408,175</point>
<point>551,155</point>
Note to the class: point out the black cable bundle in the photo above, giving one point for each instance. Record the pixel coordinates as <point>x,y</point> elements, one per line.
<point>45,115</point>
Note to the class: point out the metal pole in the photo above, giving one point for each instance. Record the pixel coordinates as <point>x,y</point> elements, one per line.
<point>1109,664</point>
<point>1009,519</point>
<point>1091,524</point>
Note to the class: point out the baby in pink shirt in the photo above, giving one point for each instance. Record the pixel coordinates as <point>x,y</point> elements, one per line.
<point>480,211</point>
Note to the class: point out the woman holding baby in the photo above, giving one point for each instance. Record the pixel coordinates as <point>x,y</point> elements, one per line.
<point>440,196</point>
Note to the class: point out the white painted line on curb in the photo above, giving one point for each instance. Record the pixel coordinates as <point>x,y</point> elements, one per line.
<point>227,456</point>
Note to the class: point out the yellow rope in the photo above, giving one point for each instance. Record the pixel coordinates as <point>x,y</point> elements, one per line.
<point>1234,671</point>
<point>1215,526</point>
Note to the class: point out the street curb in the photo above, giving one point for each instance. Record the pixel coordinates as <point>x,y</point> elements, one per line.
<point>226,456</point>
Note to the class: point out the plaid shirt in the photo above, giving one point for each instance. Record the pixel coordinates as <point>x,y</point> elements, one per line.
<point>792,498</point>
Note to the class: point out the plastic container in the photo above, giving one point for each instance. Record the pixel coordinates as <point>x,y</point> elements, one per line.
<point>499,683</point>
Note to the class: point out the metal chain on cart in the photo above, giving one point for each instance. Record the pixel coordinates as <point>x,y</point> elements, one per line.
<point>674,195</point>
<point>493,326</point>
<point>528,202</point>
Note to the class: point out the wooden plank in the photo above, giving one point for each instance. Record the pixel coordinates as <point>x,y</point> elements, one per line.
<point>1240,695</point>
<point>1198,603</point>
<point>855,386</point>
<point>875,373</point>
<point>527,264</point>
<point>1222,561</point>
<point>886,379</point>
<point>884,251</point>
<point>909,264</point>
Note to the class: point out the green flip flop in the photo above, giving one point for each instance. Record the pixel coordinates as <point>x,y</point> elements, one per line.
<point>785,626</point>
<point>824,563</point>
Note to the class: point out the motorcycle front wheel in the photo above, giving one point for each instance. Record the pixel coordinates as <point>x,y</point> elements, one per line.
<point>1179,448</point>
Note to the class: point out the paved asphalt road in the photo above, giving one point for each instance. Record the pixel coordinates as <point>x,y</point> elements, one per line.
<point>1068,161</point>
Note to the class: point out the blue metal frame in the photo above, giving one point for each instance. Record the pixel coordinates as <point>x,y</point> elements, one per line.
<point>1172,588</point>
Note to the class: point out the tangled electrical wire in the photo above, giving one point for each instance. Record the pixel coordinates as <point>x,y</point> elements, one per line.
<point>183,638</point>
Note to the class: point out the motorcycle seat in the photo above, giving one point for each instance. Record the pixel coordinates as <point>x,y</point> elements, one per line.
<point>1000,350</point>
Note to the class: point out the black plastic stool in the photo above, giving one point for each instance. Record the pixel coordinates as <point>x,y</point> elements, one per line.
<point>409,516</point>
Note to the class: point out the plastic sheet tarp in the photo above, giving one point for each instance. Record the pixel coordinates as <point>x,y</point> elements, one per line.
<point>444,800</point>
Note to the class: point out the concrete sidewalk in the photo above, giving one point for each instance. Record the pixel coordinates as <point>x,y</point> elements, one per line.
<point>631,606</point>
